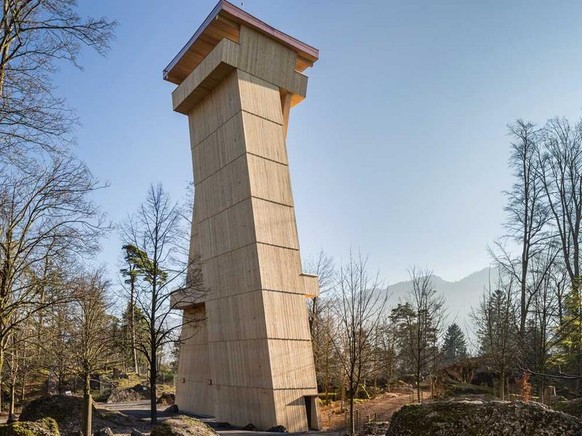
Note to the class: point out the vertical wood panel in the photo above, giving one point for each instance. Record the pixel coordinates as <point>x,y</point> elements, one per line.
<point>269,180</point>
<point>252,360</point>
<point>264,138</point>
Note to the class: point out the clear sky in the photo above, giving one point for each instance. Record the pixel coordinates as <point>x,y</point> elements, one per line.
<point>400,148</point>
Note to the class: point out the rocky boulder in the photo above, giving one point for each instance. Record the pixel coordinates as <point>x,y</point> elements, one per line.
<point>167,398</point>
<point>571,407</point>
<point>375,428</point>
<point>182,426</point>
<point>42,427</point>
<point>482,418</point>
<point>65,410</point>
<point>172,410</point>
<point>137,393</point>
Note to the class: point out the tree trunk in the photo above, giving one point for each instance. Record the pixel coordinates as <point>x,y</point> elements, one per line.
<point>153,388</point>
<point>87,418</point>
<point>352,423</point>
<point>418,375</point>
<point>1,367</point>
<point>132,325</point>
<point>23,387</point>
<point>342,394</point>
<point>326,379</point>
<point>153,337</point>
<point>13,376</point>
<point>11,416</point>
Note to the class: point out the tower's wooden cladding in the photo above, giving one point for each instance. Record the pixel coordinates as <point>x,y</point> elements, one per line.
<point>247,357</point>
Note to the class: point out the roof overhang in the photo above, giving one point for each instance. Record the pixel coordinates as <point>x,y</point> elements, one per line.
<point>225,21</point>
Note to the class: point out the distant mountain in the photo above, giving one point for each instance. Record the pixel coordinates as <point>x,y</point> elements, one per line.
<point>460,297</point>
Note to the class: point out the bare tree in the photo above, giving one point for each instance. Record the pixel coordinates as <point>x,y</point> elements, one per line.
<point>560,171</point>
<point>157,231</point>
<point>56,356</point>
<point>527,218</point>
<point>91,341</point>
<point>320,317</point>
<point>14,365</point>
<point>34,36</point>
<point>45,219</point>
<point>420,323</point>
<point>358,305</point>
<point>323,267</point>
<point>561,176</point>
<point>544,329</point>
<point>384,357</point>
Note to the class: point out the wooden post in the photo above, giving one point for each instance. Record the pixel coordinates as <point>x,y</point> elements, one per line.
<point>549,392</point>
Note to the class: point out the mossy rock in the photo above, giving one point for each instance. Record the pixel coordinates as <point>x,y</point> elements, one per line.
<point>455,389</point>
<point>59,407</point>
<point>482,418</point>
<point>64,409</point>
<point>571,407</point>
<point>182,426</point>
<point>42,427</point>
<point>67,411</point>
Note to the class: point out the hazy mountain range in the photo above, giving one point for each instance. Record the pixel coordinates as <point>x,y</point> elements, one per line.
<point>460,297</point>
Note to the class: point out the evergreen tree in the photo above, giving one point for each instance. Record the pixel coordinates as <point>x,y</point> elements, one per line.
<point>133,334</point>
<point>455,345</point>
<point>497,331</point>
<point>138,265</point>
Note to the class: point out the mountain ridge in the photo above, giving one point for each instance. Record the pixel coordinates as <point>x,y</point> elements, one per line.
<point>461,296</point>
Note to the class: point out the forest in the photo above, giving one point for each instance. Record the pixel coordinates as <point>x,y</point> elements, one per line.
<point>64,322</point>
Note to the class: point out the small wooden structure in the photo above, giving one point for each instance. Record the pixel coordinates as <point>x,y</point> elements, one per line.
<point>247,357</point>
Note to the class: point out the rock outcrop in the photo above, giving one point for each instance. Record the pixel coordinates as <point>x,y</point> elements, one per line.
<point>137,393</point>
<point>65,410</point>
<point>167,398</point>
<point>42,427</point>
<point>482,418</point>
<point>571,407</point>
<point>182,426</point>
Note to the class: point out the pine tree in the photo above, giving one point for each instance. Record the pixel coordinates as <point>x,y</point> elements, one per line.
<point>455,345</point>
<point>497,331</point>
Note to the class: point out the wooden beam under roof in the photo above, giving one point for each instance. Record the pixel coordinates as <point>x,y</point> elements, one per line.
<point>224,22</point>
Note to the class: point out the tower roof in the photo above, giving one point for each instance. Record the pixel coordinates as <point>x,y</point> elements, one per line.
<point>225,21</point>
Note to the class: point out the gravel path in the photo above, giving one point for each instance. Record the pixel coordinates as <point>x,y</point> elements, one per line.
<point>139,410</point>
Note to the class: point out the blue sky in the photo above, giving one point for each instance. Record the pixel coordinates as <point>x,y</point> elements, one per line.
<point>400,148</point>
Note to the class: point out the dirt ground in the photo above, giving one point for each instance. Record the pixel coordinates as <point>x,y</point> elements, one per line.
<point>380,408</point>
